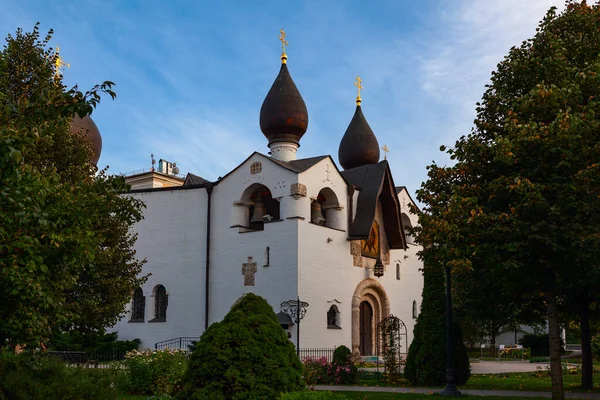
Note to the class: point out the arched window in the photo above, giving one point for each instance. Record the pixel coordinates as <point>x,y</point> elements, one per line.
<point>333,318</point>
<point>415,311</point>
<point>407,224</point>
<point>138,306</point>
<point>326,210</point>
<point>161,301</point>
<point>398,271</point>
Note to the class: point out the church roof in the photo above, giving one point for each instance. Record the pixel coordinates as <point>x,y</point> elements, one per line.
<point>300,165</point>
<point>283,115</point>
<point>359,145</point>
<point>192,179</point>
<point>375,183</point>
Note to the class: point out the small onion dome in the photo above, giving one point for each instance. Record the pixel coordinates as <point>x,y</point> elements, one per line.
<point>359,145</point>
<point>91,132</point>
<point>283,115</point>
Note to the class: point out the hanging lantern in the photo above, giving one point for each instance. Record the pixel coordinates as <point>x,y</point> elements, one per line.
<point>378,269</point>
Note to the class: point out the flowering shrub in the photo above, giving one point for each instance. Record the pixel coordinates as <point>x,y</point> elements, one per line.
<point>320,371</point>
<point>315,371</point>
<point>158,372</point>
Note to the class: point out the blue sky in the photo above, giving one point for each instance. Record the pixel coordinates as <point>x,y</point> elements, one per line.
<point>191,75</point>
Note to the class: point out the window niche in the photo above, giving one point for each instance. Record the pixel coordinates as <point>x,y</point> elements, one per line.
<point>255,208</point>
<point>161,301</point>
<point>414,310</point>
<point>326,210</point>
<point>138,306</point>
<point>407,224</point>
<point>333,318</point>
<point>398,271</point>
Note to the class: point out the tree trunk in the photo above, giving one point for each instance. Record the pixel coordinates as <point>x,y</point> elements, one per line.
<point>587,369</point>
<point>555,347</point>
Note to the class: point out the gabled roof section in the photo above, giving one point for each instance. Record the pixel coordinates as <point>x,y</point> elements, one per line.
<point>403,188</point>
<point>296,166</point>
<point>299,165</point>
<point>192,179</point>
<point>376,183</point>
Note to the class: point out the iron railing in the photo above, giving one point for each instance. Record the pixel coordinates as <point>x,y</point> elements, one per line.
<point>185,343</point>
<point>317,353</point>
<point>89,358</point>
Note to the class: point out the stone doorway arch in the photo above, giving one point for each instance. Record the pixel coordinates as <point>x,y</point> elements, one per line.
<point>372,292</point>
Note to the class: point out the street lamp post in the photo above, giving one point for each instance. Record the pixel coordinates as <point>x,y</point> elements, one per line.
<point>450,389</point>
<point>296,309</point>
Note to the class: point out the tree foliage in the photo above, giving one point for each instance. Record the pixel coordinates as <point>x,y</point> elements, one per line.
<point>523,199</point>
<point>245,356</point>
<point>66,256</point>
<point>426,361</point>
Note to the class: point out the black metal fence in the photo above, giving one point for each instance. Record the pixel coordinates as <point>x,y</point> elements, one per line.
<point>317,353</point>
<point>184,343</point>
<point>89,358</point>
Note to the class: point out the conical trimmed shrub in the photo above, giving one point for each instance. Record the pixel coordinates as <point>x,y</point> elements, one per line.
<point>426,360</point>
<point>245,356</point>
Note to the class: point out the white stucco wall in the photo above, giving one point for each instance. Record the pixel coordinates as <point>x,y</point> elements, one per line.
<point>172,238</point>
<point>230,248</point>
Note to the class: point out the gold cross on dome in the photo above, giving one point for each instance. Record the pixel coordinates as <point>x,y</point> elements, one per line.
<point>385,150</point>
<point>59,63</point>
<point>358,84</point>
<point>283,41</point>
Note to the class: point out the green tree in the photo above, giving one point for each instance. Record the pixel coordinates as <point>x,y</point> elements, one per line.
<point>524,195</point>
<point>426,360</point>
<point>66,256</point>
<point>245,356</point>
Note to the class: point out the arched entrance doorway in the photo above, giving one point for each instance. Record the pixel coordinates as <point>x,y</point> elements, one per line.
<point>370,304</point>
<point>366,329</point>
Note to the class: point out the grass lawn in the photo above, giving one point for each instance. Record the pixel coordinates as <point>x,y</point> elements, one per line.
<point>532,381</point>
<point>526,381</point>
<point>385,396</point>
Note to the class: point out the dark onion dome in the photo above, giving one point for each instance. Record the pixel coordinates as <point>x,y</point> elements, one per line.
<point>359,145</point>
<point>91,132</point>
<point>283,115</point>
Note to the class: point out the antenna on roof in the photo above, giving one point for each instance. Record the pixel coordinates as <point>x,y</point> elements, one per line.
<point>153,161</point>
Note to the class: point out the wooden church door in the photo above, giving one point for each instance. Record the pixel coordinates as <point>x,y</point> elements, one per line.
<point>366,329</point>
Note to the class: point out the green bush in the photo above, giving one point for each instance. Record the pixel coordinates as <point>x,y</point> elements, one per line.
<point>310,395</point>
<point>426,361</point>
<point>539,344</point>
<point>245,356</point>
<point>39,377</point>
<point>342,355</point>
<point>157,372</point>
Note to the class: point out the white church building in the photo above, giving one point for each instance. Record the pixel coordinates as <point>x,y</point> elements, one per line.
<point>284,228</point>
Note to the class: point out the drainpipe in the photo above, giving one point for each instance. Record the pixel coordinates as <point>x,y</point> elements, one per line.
<point>209,189</point>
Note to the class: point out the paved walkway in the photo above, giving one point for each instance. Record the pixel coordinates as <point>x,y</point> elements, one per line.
<point>498,367</point>
<point>495,367</point>
<point>507,393</point>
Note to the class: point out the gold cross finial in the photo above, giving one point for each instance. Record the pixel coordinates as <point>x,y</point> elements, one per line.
<point>283,44</point>
<point>385,151</point>
<point>59,63</point>
<point>358,84</point>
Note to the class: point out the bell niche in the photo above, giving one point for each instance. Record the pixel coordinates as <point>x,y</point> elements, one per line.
<point>256,208</point>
